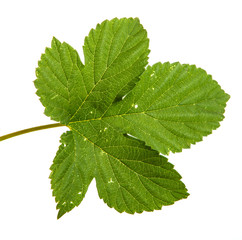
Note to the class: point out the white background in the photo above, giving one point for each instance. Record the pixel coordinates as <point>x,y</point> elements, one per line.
<point>205,33</point>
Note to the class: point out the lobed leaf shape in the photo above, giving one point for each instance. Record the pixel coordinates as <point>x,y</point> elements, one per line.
<point>171,107</point>
<point>116,54</point>
<point>121,116</point>
<point>72,171</point>
<point>130,176</point>
<point>59,83</point>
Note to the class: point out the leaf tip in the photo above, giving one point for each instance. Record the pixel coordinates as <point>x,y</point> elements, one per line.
<point>55,42</point>
<point>60,214</point>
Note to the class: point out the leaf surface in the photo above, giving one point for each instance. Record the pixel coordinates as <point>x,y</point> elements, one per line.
<point>116,53</point>
<point>59,82</point>
<point>122,116</point>
<point>171,107</point>
<point>130,176</point>
<point>72,171</point>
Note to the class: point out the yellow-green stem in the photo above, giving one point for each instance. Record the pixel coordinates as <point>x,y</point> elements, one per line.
<point>28,130</point>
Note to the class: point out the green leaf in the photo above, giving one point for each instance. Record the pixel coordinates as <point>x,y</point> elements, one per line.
<point>121,117</point>
<point>130,176</point>
<point>72,171</point>
<point>115,56</point>
<point>171,107</point>
<point>59,81</point>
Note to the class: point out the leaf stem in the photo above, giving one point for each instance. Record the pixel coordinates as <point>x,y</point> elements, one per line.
<point>28,130</point>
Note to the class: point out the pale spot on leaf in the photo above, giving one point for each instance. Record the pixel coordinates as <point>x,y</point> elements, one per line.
<point>124,97</point>
<point>54,97</point>
<point>172,67</point>
<point>103,153</point>
<point>110,180</point>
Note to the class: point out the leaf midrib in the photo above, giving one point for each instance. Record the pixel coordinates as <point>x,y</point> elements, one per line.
<point>136,173</point>
<point>108,66</point>
<point>143,112</point>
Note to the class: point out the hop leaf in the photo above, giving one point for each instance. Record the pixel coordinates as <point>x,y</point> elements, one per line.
<point>122,115</point>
